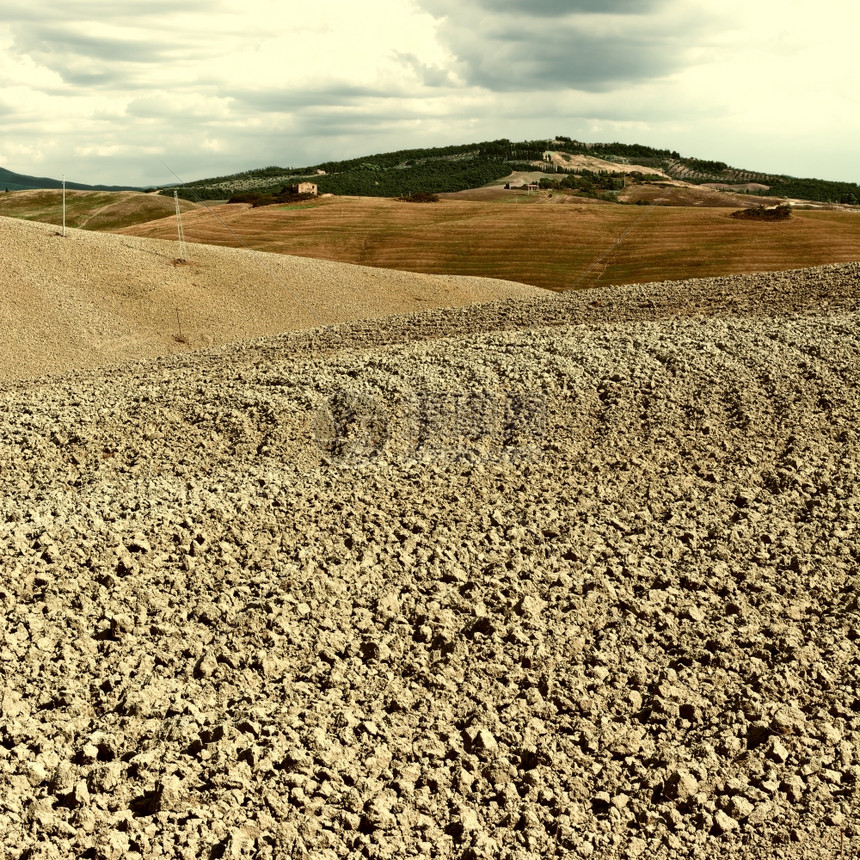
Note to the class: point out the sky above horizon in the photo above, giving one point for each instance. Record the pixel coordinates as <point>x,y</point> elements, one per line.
<point>149,93</point>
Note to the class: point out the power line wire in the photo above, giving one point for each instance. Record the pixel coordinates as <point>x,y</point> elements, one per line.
<point>247,247</point>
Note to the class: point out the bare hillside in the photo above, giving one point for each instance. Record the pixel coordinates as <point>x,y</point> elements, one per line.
<point>92,299</point>
<point>540,578</point>
<point>600,165</point>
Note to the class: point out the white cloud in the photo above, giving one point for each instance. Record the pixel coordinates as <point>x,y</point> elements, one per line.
<point>112,150</point>
<point>102,90</point>
<point>24,152</point>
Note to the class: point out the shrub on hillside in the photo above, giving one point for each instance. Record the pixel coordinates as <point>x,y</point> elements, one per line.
<point>704,166</point>
<point>420,197</point>
<point>255,198</point>
<point>245,197</point>
<point>764,213</point>
<point>588,183</point>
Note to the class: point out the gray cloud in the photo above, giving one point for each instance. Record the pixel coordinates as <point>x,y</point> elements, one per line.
<point>545,8</point>
<point>591,45</point>
<point>280,100</point>
<point>133,11</point>
<point>430,76</point>
<point>157,106</point>
<point>106,91</point>
<point>355,122</point>
<point>44,41</point>
<point>60,37</point>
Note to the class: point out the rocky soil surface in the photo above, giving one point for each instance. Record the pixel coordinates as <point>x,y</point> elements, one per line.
<point>574,577</point>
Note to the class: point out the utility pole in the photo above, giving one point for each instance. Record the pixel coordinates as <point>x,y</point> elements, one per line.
<point>182,252</point>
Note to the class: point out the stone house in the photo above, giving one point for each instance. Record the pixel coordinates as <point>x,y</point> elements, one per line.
<point>304,188</point>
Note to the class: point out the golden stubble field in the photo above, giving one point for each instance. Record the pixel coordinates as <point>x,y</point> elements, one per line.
<point>554,242</point>
<point>519,239</point>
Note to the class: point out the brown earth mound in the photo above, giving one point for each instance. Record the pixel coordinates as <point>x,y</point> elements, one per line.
<point>572,577</point>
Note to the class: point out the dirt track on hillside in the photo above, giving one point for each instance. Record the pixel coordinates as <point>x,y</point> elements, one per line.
<point>572,577</point>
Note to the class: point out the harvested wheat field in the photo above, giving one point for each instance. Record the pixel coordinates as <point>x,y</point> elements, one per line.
<point>91,299</point>
<point>530,239</point>
<point>545,577</point>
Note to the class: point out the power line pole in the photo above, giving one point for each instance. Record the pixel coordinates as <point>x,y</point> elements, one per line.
<point>183,257</point>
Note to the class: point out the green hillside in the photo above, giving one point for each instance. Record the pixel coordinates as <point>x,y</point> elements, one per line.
<point>10,181</point>
<point>471,165</point>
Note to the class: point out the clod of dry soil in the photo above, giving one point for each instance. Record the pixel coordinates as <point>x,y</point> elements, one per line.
<point>574,577</point>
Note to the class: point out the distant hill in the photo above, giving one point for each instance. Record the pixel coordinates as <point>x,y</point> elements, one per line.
<point>88,210</point>
<point>471,165</point>
<point>10,181</point>
<point>97,299</point>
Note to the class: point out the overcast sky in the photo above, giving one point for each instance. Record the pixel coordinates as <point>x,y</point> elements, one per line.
<point>141,92</point>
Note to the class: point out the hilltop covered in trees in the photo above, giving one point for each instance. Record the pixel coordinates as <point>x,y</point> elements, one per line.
<point>456,168</point>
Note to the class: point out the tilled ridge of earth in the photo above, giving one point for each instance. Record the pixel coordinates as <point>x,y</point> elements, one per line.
<point>576,578</point>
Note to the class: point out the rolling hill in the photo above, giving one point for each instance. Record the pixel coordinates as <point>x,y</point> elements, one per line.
<point>90,210</point>
<point>92,299</point>
<point>11,181</point>
<point>454,168</point>
<point>543,578</point>
<point>447,567</point>
<point>569,233</point>
<point>551,242</point>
